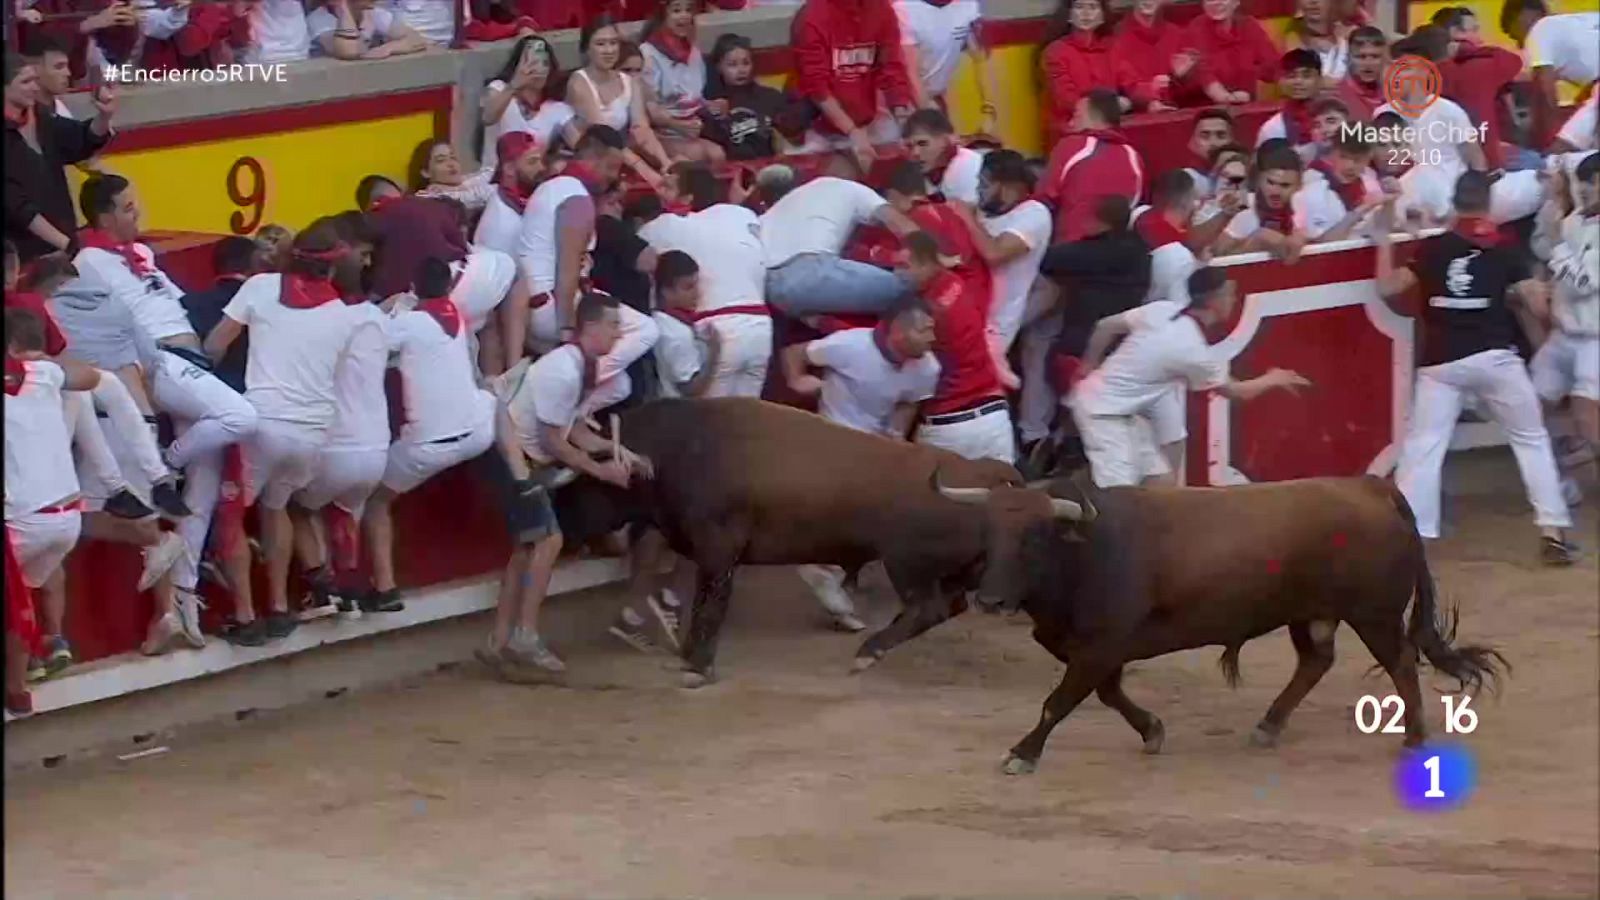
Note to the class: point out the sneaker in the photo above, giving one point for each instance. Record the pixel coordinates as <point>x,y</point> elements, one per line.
<point>212,573</point>
<point>531,651</point>
<point>19,703</point>
<point>826,583</point>
<point>280,625</point>
<point>36,669</point>
<point>124,505</point>
<point>58,656</point>
<point>249,634</point>
<point>164,494</point>
<point>164,633</point>
<point>159,559</point>
<point>318,602</point>
<point>1557,552</point>
<point>666,616</point>
<point>376,601</point>
<point>632,635</point>
<point>189,606</point>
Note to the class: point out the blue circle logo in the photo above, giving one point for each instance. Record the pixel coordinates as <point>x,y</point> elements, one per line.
<point>1435,778</point>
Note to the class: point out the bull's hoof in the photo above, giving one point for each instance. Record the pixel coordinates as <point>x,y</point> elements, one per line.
<point>863,663</point>
<point>1154,737</point>
<point>693,679</point>
<point>1264,736</point>
<point>1016,765</point>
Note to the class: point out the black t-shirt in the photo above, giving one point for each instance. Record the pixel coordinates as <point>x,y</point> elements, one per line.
<point>1464,287</point>
<point>746,131</point>
<point>616,256</point>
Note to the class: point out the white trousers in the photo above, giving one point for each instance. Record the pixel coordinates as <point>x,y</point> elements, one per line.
<point>411,463</point>
<point>346,477</point>
<point>42,541</point>
<point>985,437</point>
<point>124,455</point>
<point>1498,379</point>
<point>215,414</point>
<point>1121,449</point>
<point>1037,407</point>
<point>283,456</point>
<point>746,353</point>
<point>1567,364</point>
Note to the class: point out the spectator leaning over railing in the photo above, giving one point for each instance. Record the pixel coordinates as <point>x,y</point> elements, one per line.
<point>278,32</point>
<point>1155,53</point>
<point>357,29</point>
<point>847,56</point>
<point>96,32</point>
<point>433,19</point>
<point>1234,48</point>
<point>675,74</point>
<point>602,94</point>
<point>1213,128</point>
<point>523,97</point>
<point>935,34</point>
<point>38,143</point>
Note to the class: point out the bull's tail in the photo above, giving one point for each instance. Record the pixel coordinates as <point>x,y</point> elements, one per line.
<point>1433,630</point>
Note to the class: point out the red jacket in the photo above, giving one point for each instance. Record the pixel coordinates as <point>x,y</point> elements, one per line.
<point>947,227</point>
<point>1474,79</point>
<point>967,375</point>
<point>213,37</point>
<point>850,50</point>
<point>1073,66</point>
<point>1241,57</point>
<point>1363,99</point>
<point>1085,166</point>
<point>1144,50</point>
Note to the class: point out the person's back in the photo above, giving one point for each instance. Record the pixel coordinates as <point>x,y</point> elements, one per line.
<point>816,217</point>
<point>1104,275</point>
<point>100,331</point>
<point>411,228</point>
<point>294,351</point>
<point>361,419</point>
<point>537,251</point>
<point>1143,367</point>
<point>437,377</point>
<point>1084,167</point>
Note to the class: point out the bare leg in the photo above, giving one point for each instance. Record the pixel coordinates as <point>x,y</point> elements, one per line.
<point>1393,650</point>
<point>1313,643</point>
<point>234,555</point>
<point>506,607</point>
<point>513,314</point>
<point>491,347</point>
<point>53,604</point>
<point>1143,721</point>
<point>379,526</point>
<point>309,548</point>
<point>277,538</point>
<point>1080,679</point>
<point>536,581</point>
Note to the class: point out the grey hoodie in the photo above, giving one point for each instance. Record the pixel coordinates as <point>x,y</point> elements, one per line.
<point>100,331</point>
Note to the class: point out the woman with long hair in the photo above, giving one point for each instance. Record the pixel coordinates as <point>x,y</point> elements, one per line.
<point>601,94</point>
<point>436,172</point>
<point>742,114</point>
<point>675,73</point>
<point>526,96</point>
<point>1077,58</point>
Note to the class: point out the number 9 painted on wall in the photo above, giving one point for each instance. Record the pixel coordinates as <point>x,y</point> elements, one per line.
<point>252,195</point>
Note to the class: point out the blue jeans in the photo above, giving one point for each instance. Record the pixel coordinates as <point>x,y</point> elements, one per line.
<point>816,284</point>
<point>1520,158</point>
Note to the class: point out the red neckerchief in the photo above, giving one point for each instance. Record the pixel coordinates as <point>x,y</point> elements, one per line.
<point>1279,220</point>
<point>686,316</point>
<point>513,194</point>
<point>1158,231</point>
<point>679,207</point>
<point>1351,194</point>
<point>1479,230</point>
<point>1370,91</point>
<point>94,237</point>
<point>588,176</point>
<point>443,310</point>
<point>511,146</point>
<point>880,337</point>
<point>678,49</point>
<point>936,174</point>
<point>298,291</point>
<point>19,119</point>
<point>1298,123</point>
<point>16,375</point>
<point>378,203</point>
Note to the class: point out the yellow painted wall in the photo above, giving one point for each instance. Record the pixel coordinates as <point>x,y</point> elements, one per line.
<point>308,174</point>
<point>1488,13</point>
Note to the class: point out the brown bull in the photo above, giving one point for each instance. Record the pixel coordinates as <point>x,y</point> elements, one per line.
<point>743,482</point>
<point>1143,572</point>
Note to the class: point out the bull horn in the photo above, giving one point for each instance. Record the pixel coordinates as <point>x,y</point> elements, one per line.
<point>1066,509</point>
<point>967,496</point>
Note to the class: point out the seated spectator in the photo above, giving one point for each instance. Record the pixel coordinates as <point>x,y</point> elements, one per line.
<point>1077,59</point>
<point>216,34</point>
<point>358,29</point>
<point>1299,82</point>
<point>1445,134</point>
<point>1091,162</point>
<point>1165,73</point>
<point>1361,89</point>
<point>1234,48</point>
<point>952,169</point>
<point>1339,193</point>
<point>1315,28</point>
<point>436,172</point>
<point>1105,272</point>
<point>1268,223</point>
<point>279,32</point>
<point>743,115</point>
<point>38,143</point>
<point>1560,48</point>
<point>523,98</point>
<point>1475,74</point>
<point>934,35</point>
<point>601,94</point>
<point>434,20</point>
<point>630,61</point>
<point>1213,128</point>
<point>675,73</point>
<point>847,55</point>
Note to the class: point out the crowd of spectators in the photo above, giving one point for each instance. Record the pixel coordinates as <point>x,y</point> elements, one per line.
<point>971,299</point>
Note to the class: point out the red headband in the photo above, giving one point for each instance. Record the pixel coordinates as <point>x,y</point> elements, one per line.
<point>513,144</point>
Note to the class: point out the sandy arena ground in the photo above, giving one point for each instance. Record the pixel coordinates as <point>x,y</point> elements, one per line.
<point>792,779</point>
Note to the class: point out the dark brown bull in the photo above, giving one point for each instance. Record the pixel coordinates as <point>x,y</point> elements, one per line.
<point>1147,571</point>
<point>743,482</point>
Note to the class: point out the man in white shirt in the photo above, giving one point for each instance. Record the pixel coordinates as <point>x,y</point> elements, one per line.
<point>872,380</point>
<point>952,169</point>
<point>278,32</point>
<point>1556,48</point>
<point>540,424</point>
<point>207,415</point>
<point>723,239</point>
<point>1580,129</point>
<point>1340,193</point>
<point>685,362</point>
<point>804,231</point>
<point>934,35</point>
<point>1213,130</point>
<point>299,337</point>
<point>1164,344</point>
<point>433,19</point>
<point>356,29</point>
<point>1425,191</point>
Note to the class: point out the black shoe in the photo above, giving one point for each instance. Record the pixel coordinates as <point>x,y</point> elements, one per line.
<point>124,505</point>
<point>251,634</point>
<point>280,625</point>
<point>319,597</point>
<point>1557,552</point>
<point>382,601</point>
<point>165,496</point>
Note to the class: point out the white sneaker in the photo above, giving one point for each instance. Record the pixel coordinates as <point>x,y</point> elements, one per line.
<point>827,582</point>
<point>164,633</point>
<point>529,650</point>
<point>189,606</point>
<point>160,558</point>
<point>667,616</point>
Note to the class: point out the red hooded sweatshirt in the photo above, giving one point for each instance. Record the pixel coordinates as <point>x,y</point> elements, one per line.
<point>1241,56</point>
<point>1474,79</point>
<point>850,50</point>
<point>1073,66</point>
<point>1085,166</point>
<point>1143,51</point>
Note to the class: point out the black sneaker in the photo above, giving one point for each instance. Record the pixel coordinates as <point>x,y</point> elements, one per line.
<point>1557,552</point>
<point>382,601</point>
<point>319,598</point>
<point>124,505</point>
<point>280,625</point>
<point>165,496</point>
<point>250,634</point>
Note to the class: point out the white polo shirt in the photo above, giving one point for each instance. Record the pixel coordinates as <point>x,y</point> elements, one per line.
<point>816,217</point>
<point>278,32</point>
<point>39,469</point>
<point>1570,44</point>
<point>1579,128</point>
<point>550,393</point>
<point>861,387</point>
<point>543,123</point>
<point>295,354</point>
<point>433,19</point>
<point>1031,222</point>
<point>438,380</point>
<point>1439,132</point>
<point>940,35</point>
<point>725,242</point>
<point>680,353</point>
<point>1162,347</point>
<point>536,244</point>
<point>154,300</point>
<point>1318,208</point>
<point>361,408</point>
<point>960,179</point>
